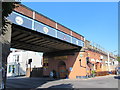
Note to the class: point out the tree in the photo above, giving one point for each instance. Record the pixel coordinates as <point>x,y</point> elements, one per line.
<point>118,59</point>
<point>7,8</point>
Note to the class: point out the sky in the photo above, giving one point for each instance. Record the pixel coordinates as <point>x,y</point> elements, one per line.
<point>96,21</point>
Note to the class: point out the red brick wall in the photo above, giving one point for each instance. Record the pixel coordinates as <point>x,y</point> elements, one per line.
<point>63,29</point>
<point>93,55</point>
<point>77,69</point>
<point>44,20</point>
<point>77,36</point>
<point>23,10</point>
<point>72,61</point>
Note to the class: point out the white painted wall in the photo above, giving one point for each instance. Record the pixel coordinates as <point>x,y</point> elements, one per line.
<point>23,61</point>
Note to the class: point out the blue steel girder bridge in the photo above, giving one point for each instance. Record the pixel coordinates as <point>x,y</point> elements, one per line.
<point>35,32</point>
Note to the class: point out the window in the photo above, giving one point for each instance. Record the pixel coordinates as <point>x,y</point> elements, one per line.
<point>45,64</point>
<point>96,67</point>
<point>87,60</point>
<point>16,58</point>
<point>11,69</point>
<point>100,65</point>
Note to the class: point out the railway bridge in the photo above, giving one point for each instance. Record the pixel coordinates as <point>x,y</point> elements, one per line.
<point>60,45</point>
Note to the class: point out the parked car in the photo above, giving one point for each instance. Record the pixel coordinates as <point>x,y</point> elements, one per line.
<point>117,70</point>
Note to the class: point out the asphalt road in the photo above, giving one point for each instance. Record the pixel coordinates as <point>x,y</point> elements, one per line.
<point>97,82</point>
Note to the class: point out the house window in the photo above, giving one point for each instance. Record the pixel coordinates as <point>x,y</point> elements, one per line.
<point>11,69</point>
<point>16,58</point>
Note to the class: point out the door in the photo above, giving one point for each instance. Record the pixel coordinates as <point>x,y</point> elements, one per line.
<point>62,69</point>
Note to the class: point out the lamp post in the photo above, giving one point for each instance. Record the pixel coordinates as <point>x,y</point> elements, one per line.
<point>108,61</point>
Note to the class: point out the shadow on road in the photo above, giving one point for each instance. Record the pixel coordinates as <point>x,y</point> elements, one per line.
<point>24,82</point>
<point>117,77</point>
<point>62,86</point>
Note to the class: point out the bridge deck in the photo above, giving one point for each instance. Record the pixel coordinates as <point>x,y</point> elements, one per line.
<point>28,32</point>
<point>23,38</point>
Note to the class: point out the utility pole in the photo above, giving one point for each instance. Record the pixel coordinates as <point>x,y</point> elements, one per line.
<point>108,61</point>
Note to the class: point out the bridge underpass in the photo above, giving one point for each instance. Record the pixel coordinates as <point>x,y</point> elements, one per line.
<point>60,45</point>
<point>26,39</point>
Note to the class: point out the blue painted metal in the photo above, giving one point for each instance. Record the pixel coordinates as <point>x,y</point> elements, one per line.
<point>63,36</point>
<point>27,22</point>
<point>24,21</point>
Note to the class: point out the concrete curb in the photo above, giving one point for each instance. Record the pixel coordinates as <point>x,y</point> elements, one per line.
<point>94,77</point>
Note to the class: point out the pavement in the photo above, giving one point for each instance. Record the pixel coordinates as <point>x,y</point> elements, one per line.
<point>110,81</point>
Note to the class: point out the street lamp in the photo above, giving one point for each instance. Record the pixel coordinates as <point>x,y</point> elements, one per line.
<point>108,61</point>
